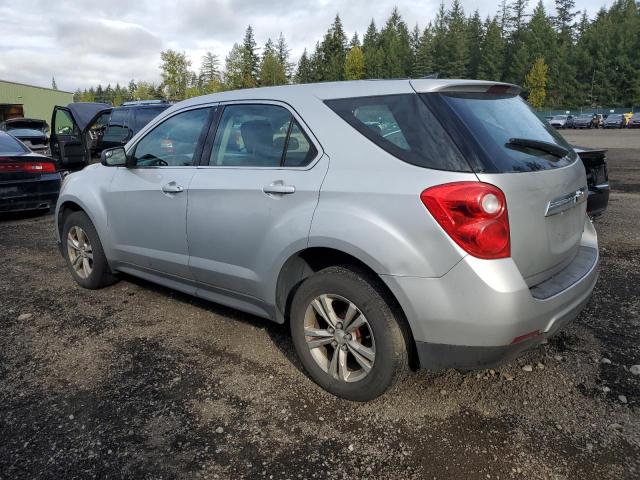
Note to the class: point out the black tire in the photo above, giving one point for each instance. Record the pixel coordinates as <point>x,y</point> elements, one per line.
<point>391,361</point>
<point>100,275</point>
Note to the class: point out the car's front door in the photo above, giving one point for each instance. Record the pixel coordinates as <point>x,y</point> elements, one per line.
<point>147,202</point>
<point>252,200</point>
<point>66,140</point>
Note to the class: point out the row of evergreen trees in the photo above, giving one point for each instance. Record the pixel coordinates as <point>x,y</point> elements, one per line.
<point>563,58</point>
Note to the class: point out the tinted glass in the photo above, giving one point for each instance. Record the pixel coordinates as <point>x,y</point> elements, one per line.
<point>492,120</point>
<point>118,130</point>
<point>145,115</point>
<point>300,150</point>
<point>9,145</point>
<point>174,141</point>
<point>403,126</point>
<point>251,136</point>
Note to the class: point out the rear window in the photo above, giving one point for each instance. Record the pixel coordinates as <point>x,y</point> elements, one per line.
<point>492,120</point>
<point>403,126</point>
<point>9,145</point>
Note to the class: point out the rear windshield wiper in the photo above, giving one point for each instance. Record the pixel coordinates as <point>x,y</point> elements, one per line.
<point>547,147</point>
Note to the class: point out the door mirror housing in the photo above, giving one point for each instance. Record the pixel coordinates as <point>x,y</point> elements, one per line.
<point>114,157</point>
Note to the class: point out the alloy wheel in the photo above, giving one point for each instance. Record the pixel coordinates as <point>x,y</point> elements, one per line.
<point>80,252</point>
<point>339,338</point>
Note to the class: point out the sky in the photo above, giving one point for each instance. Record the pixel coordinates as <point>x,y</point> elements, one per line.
<point>86,42</point>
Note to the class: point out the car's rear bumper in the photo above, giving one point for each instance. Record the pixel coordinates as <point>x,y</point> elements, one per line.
<point>482,313</point>
<point>34,194</point>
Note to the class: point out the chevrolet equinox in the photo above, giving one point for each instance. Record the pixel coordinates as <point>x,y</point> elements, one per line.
<point>393,224</point>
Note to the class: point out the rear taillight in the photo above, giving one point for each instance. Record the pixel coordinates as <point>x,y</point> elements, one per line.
<point>474,214</point>
<point>31,167</point>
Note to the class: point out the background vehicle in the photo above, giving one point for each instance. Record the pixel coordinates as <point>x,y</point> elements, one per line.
<point>231,197</point>
<point>634,122</point>
<point>83,130</point>
<point>30,131</point>
<point>75,132</point>
<point>598,120</point>
<point>614,120</point>
<point>595,164</point>
<point>28,181</point>
<point>128,119</point>
<point>560,121</point>
<point>584,120</point>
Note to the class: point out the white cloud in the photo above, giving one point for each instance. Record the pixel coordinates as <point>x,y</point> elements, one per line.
<point>86,42</point>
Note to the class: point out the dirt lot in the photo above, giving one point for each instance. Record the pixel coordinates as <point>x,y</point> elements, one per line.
<point>136,381</point>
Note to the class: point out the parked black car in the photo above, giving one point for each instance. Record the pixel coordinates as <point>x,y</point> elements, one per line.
<point>31,131</point>
<point>584,120</point>
<point>80,131</point>
<point>28,180</point>
<point>595,164</point>
<point>615,120</point>
<point>128,119</point>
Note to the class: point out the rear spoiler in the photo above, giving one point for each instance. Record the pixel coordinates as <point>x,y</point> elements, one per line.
<point>464,86</point>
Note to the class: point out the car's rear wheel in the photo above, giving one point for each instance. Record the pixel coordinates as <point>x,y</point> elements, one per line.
<point>83,252</point>
<point>346,335</point>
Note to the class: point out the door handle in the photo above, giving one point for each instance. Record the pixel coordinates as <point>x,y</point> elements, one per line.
<point>172,187</point>
<point>279,189</point>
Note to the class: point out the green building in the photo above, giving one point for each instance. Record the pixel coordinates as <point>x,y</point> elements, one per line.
<point>20,100</point>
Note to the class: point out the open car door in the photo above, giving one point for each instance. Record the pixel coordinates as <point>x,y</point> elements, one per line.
<point>71,137</point>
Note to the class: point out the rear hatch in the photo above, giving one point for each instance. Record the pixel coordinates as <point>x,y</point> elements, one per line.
<point>507,145</point>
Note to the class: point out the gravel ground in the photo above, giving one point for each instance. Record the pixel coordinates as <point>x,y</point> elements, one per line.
<point>137,381</point>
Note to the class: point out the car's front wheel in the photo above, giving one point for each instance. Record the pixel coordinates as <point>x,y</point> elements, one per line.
<point>347,336</point>
<point>83,252</point>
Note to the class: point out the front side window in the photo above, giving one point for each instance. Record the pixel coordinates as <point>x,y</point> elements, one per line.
<point>65,124</point>
<point>174,141</point>
<point>260,136</point>
<point>403,126</point>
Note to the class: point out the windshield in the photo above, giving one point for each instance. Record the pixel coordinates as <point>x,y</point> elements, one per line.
<point>614,117</point>
<point>495,120</point>
<point>559,117</point>
<point>28,124</point>
<point>585,117</point>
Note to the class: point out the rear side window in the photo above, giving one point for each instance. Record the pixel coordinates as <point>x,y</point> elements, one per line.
<point>493,120</point>
<point>403,126</point>
<point>260,136</point>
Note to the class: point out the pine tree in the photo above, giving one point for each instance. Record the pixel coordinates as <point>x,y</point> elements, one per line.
<point>423,61</point>
<point>249,61</point>
<point>284,54</point>
<point>272,70</point>
<point>334,50</point>
<point>233,71</point>
<point>373,55</point>
<point>564,20</point>
<point>304,73</point>
<point>475,36</point>
<point>210,68</point>
<point>491,52</point>
<point>395,43</point>
<point>354,64</point>
<point>53,83</point>
<point>536,83</point>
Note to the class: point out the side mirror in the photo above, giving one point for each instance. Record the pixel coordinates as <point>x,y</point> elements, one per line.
<point>114,157</point>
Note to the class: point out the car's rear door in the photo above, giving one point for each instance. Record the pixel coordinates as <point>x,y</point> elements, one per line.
<point>147,201</point>
<point>252,200</point>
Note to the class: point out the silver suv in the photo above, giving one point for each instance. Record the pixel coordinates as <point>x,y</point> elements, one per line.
<point>393,224</point>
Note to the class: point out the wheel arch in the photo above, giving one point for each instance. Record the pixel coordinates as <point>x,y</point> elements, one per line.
<point>305,263</point>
